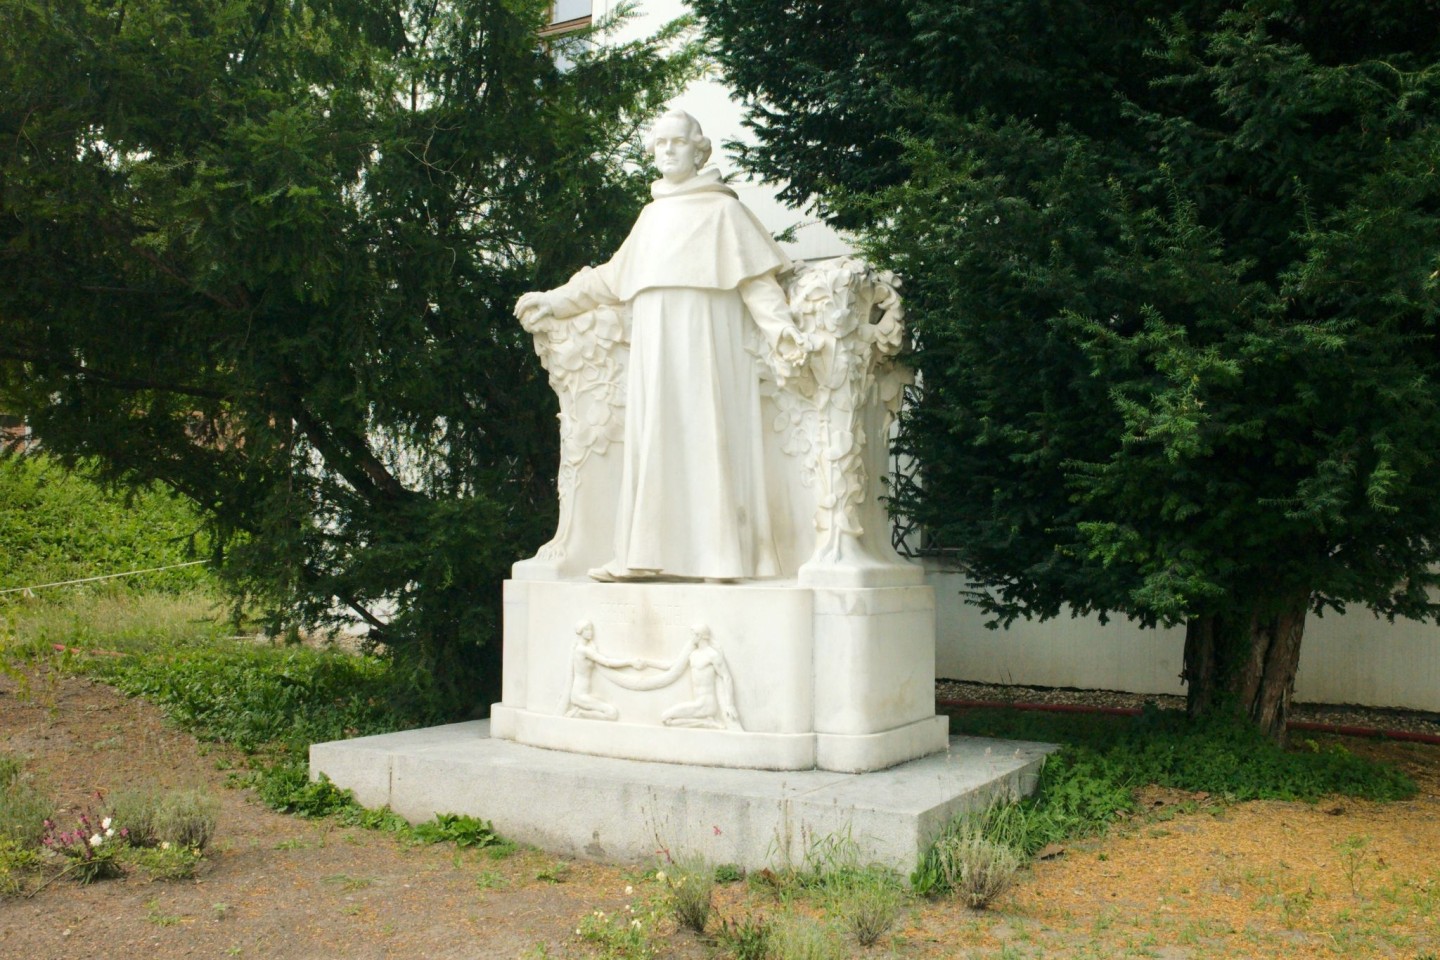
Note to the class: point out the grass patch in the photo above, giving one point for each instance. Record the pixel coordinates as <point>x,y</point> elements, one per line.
<point>104,620</point>
<point>58,524</point>
<point>1091,781</point>
<point>278,699</point>
<point>1219,756</point>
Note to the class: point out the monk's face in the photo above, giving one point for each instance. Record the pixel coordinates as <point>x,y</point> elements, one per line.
<point>675,153</point>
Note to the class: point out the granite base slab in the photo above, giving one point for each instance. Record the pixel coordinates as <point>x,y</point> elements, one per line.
<point>631,811</point>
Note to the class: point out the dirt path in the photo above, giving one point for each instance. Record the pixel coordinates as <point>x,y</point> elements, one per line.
<point>1338,879</point>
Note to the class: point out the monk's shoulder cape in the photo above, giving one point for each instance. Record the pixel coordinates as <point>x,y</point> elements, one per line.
<point>701,237</point>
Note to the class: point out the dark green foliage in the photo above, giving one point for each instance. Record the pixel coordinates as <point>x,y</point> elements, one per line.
<point>273,703</point>
<point>265,255</point>
<point>287,787</point>
<point>56,524</point>
<point>1173,270</point>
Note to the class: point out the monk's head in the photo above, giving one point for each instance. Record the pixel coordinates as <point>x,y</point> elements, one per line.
<point>680,147</point>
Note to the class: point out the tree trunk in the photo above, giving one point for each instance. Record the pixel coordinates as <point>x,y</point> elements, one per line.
<point>1244,664</point>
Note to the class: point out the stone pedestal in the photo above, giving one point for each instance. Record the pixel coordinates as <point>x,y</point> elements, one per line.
<point>835,678</point>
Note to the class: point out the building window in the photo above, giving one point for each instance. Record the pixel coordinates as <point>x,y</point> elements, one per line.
<point>566,15</point>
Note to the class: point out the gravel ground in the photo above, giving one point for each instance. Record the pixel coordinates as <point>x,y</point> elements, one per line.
<point>1370,718</point>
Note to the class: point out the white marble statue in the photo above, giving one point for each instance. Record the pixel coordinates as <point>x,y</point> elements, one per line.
<point>723,416</point>
<point>696,269</point>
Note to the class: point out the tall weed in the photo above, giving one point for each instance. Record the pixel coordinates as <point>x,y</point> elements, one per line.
<point>23,808</point>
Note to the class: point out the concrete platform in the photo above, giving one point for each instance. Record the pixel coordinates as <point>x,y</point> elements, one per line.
<point>627,811</point>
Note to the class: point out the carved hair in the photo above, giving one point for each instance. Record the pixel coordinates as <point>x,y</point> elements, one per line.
<point>693,133</point>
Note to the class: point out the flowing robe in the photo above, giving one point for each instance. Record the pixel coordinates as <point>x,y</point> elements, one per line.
<point>696,268</point>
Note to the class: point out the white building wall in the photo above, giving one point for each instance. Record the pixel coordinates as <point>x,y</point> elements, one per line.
<point>1354,658</point>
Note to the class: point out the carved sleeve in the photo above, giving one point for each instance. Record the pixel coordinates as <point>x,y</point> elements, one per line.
<point>766,302</point>
<point>587,289</point>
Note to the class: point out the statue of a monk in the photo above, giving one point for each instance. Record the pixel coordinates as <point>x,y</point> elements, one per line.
<point>697,268</point>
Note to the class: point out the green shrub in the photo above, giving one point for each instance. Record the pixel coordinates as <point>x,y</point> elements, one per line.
<point>729,873</point>
<point>260,696</point>
<point>1216,755</point>
<point>17,861</point>
<point>177,818</point>
<point>287,787</point>
<point>136,810</point>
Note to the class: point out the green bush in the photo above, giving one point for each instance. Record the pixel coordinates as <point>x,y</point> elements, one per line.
<point>869,904</point>
<point>136,810</point>
<point>795,936</point>
<point>1105,757</point>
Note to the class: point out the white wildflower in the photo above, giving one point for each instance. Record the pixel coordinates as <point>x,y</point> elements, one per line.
<point>96,840</point>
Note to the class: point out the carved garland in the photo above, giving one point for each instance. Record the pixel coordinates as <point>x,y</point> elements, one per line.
<point>854,320</point>
<point>586,364</point>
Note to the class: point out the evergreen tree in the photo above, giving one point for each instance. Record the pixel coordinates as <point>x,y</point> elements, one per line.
<point>1174,272</point>
<point>266,254</point>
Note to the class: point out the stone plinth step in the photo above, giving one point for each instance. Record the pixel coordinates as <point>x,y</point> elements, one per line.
<point>628,811</point>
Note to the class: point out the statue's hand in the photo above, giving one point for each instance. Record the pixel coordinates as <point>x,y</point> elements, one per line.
<point>534,307</point>
<point>792,346</point>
